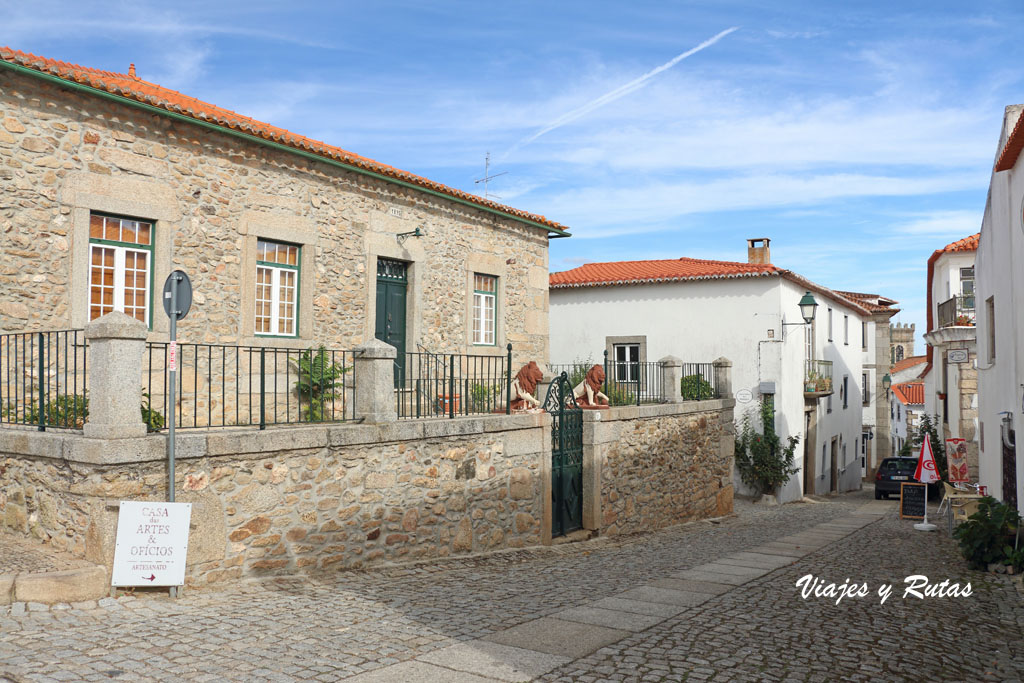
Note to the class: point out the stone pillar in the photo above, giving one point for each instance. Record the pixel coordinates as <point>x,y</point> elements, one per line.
<point>375,381</point>
<point>671,387</point>
<point>116,345</point>
<point>723,377</point>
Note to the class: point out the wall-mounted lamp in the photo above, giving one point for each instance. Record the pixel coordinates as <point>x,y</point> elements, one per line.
<point>403,236</point>
<point>807,308</point>
<point>1006,430</point>
<point>886,383</point>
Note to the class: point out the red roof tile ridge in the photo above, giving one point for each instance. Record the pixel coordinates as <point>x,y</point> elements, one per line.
<point>161,97</point>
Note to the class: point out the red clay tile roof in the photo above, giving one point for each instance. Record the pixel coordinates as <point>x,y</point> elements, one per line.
<point>679,270</point>
<point>966,244</point>
<point>637,272</point>
<point>876,303</point>
<point>910,362</point>
<point>909,393</point>
<point>1014,144</point>
<point>137,90</point>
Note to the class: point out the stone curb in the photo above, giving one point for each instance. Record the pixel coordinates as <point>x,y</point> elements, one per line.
<point>50,588</point>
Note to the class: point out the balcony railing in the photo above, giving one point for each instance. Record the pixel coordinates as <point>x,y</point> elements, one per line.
<point>957,311</point>
<point>817,378</point>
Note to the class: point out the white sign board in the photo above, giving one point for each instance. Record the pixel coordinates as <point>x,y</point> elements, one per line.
<point>152,541</point>
<point>957,356</point>
<point>744,395</point>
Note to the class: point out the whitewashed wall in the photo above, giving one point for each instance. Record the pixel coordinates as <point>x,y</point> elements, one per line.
<point>740,319</point>
<point>1000,274</point>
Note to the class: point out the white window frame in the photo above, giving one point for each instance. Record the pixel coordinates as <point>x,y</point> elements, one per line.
<point>485,302</point>
<point>631,366</point>
<point>121,250</point>
<point>276,270</point>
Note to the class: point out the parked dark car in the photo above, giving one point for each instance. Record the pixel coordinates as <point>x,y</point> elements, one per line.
<point>892,472</point>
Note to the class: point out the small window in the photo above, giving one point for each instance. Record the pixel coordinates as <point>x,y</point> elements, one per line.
<point>990,314</point>
<point>485,293</point>
<point>828,404</point>
<point>846,330</point>
<point>846,391</point>
<point>866,391</point>
<point>864,336</point>
<point>120,266</point>
<point>627,362</point>
<point>830,324</point>
<point>277,286</point>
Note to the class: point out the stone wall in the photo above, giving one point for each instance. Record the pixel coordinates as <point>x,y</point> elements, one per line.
<point>291,499</point>
<point>656,466</point>
<point>64,153</point>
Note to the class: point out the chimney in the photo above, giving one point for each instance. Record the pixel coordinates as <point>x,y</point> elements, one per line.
<point>131,70</point>
<point>757,250</point>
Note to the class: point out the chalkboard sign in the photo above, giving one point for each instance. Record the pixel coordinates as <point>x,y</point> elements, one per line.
<point>913,498</point>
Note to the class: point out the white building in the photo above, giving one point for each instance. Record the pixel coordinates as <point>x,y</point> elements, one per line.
<point>951,375</point>
<point>1001,319</point>
<point>906,402</point>
<point>700,310</point>
<point>908,369</point>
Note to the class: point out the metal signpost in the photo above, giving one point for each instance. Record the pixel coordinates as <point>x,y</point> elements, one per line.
<point>177,300</point>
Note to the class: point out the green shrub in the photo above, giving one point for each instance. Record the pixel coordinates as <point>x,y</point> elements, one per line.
<point>986,535</point>
<point>318,382</point>
<point>762,463</point>
<point>153,419</point>
<point>695,388</point>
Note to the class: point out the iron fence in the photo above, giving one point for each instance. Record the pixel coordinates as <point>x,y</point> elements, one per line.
<point>223,386</point>
<point>43,379</point>
<point>635,383</point>
<point>445,385</point>
<point>957,311</point>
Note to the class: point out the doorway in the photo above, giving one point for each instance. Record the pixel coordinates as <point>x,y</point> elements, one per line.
<point>392,284</point>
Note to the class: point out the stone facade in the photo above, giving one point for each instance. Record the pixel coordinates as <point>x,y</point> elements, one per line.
<point>64,154</point>
<point>901,342</point>
<point>662,465</point>
<point>294,499</point>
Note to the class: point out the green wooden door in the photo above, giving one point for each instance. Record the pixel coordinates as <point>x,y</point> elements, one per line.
<point>392,283</point>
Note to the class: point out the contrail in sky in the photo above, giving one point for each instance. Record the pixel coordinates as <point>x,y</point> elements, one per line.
<point>621,91</point>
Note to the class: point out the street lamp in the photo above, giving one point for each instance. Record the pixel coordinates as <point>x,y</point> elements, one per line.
<point>807,308</point>
<point>886,383</point>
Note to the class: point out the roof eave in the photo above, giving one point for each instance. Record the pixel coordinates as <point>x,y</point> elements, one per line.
<point>349,166</point>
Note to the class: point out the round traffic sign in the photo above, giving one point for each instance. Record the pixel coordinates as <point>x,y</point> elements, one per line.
<point>184,299</point>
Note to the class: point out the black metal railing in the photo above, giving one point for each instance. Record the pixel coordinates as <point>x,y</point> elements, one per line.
<point>698,382</point>
<point>43,379</point>
<point>957,311</point>
<point>818,377</point>
<point>225,386</point>
<point>446,385</point>
<point>635,383</point>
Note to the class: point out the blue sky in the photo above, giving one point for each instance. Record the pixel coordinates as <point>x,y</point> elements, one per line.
<point>859,137</point>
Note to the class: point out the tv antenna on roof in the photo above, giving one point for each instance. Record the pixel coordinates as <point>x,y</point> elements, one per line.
<point>488,177</point>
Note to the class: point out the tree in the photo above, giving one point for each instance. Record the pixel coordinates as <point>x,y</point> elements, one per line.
<point>763,463</point>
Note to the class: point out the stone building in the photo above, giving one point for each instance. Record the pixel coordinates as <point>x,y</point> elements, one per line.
<point>902,341</point>
<point>110,182</point>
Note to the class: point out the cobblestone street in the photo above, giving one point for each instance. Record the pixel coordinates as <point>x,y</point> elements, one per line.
<point>704,601</point>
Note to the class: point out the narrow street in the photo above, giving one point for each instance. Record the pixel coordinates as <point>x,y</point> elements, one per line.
<point>703,601</point>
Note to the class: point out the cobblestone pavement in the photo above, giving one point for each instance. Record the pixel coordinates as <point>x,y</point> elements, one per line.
<point>21,555</point>
<point>424,622</point>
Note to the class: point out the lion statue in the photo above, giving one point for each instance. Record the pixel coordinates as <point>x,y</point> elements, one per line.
<point>588,392</point>
<point>524,386</point>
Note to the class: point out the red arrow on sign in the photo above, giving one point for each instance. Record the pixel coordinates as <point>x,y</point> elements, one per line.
<point>151,577</point>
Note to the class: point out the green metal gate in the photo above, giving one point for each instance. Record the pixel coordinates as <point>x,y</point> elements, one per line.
<point>566,457</point>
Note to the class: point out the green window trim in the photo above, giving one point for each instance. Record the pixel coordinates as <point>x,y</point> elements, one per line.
<point>484,294</point>
<point>135,246</point>
<point>275,265</point>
